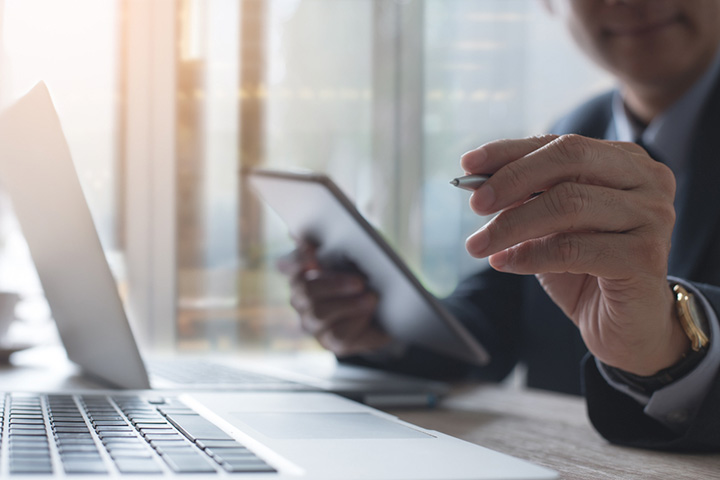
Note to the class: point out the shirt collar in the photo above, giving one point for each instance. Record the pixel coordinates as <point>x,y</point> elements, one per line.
<point>669,134</point>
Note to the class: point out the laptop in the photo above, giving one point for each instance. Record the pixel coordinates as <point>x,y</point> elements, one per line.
<point>100,434</point>
<point>152,433</point>
<point>37,171</point>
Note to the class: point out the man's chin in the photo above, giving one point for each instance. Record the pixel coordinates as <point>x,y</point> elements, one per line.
<point>659,68</point>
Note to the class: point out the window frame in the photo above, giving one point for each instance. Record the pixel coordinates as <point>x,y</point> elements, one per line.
<point>148,168</point>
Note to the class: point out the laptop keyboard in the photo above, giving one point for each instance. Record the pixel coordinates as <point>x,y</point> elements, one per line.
<point>197,372</point>
<point>97,434</point>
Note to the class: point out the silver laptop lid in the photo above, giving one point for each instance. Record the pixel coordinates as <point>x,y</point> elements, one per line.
<point>37,171</point>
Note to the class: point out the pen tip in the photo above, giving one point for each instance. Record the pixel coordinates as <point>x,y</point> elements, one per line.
<point>454,182</point>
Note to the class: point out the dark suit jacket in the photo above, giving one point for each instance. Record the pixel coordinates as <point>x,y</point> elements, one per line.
<point>517,322</point>
<point>694,257</point>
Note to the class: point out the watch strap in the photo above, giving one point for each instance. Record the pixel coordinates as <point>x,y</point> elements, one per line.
<point>647,385</point>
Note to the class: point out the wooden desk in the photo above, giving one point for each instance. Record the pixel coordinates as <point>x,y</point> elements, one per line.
<point>552,430</point>
<point>544,428</point>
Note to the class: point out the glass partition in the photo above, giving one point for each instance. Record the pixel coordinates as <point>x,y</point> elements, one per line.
<point>384,96</point>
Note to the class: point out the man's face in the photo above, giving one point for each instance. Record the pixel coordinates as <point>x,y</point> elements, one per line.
<point>651,42</point>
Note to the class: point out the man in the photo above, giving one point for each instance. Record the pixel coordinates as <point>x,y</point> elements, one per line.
<point>595,246</point>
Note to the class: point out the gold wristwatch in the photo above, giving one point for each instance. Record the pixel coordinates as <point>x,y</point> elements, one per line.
<point>692,317</point>
<point>693,321</point>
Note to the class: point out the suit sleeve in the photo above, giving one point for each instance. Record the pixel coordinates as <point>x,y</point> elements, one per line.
<point>623,420</point>
<point>487,305</point>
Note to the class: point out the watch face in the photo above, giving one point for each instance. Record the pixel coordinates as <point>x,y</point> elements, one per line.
<point>692,317</point>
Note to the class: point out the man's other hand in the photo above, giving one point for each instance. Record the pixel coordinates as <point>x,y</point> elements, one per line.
<point>337,308</point>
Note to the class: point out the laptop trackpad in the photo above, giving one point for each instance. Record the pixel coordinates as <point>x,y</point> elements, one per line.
<point>326,426</point>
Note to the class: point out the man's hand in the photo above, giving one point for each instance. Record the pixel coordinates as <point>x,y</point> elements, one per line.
<point>597,238</point>
<point>335,307</point>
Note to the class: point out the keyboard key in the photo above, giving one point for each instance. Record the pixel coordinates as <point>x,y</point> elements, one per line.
<point>14,437</point>
<point>188,463</point>
<point>41,462</point>
<point>75,441</point>
<point>163,424</point>
<point>157,429</point>
<point>173,436</point>
<point>110,423</point>
<point>238,466</point>
<point>231,453</point>
<point>114,429</point>
<point>27,429</point>
<point>218,443</point>
<point>169,443</point>
<point>142,465</point>
<point>29,453</point>
<point>196,427</point>
<point>31,469</point>
<point>181,410</point>
<point>130,453</point>
<point>81,456</point>
<point>17,433</point>
<point>74,436</point>
<point>176,449</point>
<point>77,448</point>
<point>76,423</point>
<point>33,447</point>
<point>78,429</point>
<point>27,421</point>
<point>77,419</point>
<point>147,419</point>
<point>84,467</point>
<point>104,435</point>
<point>106,418</point>
<point>115,443</point>
<point>112,442</point>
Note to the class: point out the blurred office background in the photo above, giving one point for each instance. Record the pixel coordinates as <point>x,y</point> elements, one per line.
<point>164,101</point>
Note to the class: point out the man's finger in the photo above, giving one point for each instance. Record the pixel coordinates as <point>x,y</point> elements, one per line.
<point>612,256</point>
<point>302,259</point>
<point>568,158</point>
<point>490,157</point>
<point>567,207</point>
<point>321,284</point>
<point>323,315</point>
<point>628,146</point>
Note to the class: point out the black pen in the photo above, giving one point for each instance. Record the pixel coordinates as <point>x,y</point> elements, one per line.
<point>469,182</point>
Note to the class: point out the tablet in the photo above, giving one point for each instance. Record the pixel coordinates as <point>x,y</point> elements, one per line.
<point>315,209</point>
